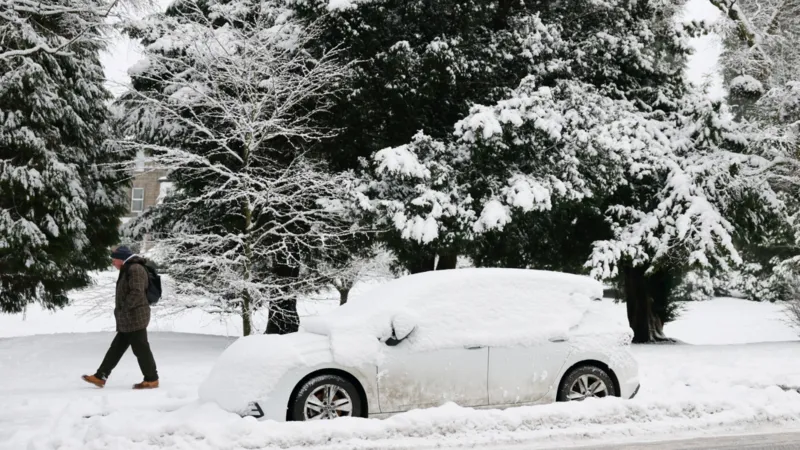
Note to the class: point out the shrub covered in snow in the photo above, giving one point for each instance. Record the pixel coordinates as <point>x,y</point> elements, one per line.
<point>746,86</point>
<point>775,281</point>
<point>696,285</point>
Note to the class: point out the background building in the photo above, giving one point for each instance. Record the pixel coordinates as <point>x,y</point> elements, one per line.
<point>148,185</point>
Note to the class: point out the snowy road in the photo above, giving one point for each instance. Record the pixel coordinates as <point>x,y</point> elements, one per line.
<point>687,390</point>
<point>770,441</point>
<point>781,440</point>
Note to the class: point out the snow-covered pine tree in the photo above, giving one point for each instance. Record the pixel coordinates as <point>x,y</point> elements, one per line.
<point>60,202</point>
<point>420,66</point>
<point>227,102</point>
<point>607,121</point>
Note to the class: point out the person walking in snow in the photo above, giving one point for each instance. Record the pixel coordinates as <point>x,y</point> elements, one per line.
<point>132,314</point>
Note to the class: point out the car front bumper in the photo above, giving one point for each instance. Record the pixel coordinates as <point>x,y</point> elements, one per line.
<point>265,410</point>
<point>254,410</point>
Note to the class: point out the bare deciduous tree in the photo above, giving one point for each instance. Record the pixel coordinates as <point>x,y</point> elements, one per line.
<point>227,102</point>
<point>767,33</point>
<point>761,64</point>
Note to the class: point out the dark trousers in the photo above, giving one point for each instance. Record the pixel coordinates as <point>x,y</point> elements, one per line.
<point>137,340</point>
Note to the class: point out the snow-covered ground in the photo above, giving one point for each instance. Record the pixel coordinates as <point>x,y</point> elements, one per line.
<point>742,383</point>
<point>732,321</point>
<point>92,310</point>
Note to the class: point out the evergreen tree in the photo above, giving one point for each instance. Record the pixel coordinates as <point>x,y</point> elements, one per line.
<point>605,123</point>
<point>419,66</point>
<point>60,200</point>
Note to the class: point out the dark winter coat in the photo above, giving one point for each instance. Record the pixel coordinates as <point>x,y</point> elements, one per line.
<point>132,309</point>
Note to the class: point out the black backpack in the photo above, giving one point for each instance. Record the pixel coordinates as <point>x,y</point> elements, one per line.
<point>153,291</point>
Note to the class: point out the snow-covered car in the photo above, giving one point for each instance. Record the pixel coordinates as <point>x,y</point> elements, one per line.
<point>482,338</point>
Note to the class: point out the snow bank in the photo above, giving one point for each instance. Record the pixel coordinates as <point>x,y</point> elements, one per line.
<point>208,428</point>
<point>249,369</point>
<point>453,308</point>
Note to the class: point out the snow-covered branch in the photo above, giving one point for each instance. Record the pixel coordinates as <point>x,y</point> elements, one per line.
<point>671,186</point>
<point>763,43</point>
<point>22,34</point>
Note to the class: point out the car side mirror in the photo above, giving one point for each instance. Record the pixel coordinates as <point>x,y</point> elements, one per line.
<point>394,339</point>
<point>403,324</point>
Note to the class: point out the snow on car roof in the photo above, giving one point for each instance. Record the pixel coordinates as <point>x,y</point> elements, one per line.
<point>453,308</point>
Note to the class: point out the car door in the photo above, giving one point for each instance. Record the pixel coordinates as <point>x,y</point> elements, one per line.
<point>409,379</point>
<point>525,374</point>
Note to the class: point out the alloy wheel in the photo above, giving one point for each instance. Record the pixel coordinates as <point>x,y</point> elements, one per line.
<point>587,386</point>
<point>328,402</point>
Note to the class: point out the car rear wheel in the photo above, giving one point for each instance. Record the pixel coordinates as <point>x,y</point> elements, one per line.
<point>326,397</point>
<point>586,382</point>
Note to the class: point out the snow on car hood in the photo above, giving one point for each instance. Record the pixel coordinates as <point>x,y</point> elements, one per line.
<point>250,368</point>
<point>454,308</point>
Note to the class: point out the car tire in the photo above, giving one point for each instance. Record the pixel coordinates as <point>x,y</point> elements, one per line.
<point>326,397</point>
<point>586,381</point>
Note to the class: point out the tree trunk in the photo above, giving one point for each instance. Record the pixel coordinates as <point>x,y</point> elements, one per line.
<point>641,294</point>
<point>659,287</point>
<point>247,212</point>
<point>447,261</point>
<point>283,317</point>
<point>247,324</point>
<point>637,303</point>
<point>422,264</point>
<point>344,293</point>
<point>247,321</point>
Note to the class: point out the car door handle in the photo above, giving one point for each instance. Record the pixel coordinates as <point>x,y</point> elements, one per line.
<point>473,347</point>
<point>559,339</point>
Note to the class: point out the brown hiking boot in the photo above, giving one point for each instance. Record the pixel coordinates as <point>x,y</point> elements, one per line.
<point>91,379</point>
<point>146,385</point>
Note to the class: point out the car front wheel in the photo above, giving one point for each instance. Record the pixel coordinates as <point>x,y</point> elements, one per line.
<point>326,397</point>
<point>586,382</point>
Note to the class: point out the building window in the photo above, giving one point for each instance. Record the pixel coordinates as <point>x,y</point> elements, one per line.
<point>137,200</point>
